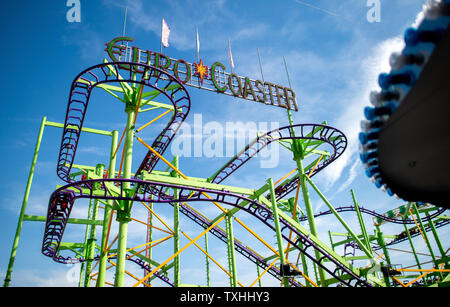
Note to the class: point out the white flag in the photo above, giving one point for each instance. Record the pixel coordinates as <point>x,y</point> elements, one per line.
<point>230,56</point>
<point>198,47</point>
<point>165,31</point>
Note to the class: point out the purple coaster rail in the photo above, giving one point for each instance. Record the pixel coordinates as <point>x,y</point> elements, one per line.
<point>154,192</point>
<point>62,200</point>
<point>317,132</point>
<point>80,93</point>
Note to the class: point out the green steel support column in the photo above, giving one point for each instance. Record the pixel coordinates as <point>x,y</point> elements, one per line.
<point>305,267</point>
<point>413,250</point>
<point>308,208</point>
<point>80,277</point>
<point>123,218</point>
<point>363,247</point>
<point>107,215</point>
<point>123,215</point>
<point>381,242</point>
<point>361,223</point>
<point>230,269</point>
<point>386,279</point>
<point>276,220</point>
<point>436,237</point>
<point>362,226</point>
<point>80,280</point>
<point>302,255</point>
<point>24,206</point>
<point>176,229</point>
<point>230,247</point>
<point>230,266</point>
<point>148,252</point>
<point>130,109</point>
<point>83,273</point>
<point>93,232</point>
<point>315,273</point>
<point>419,219</point>
<point>331,239</point>
<point>258,274</point>
<point>208,283</point>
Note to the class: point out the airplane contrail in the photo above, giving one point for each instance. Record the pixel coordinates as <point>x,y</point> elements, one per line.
<point>317,8</point>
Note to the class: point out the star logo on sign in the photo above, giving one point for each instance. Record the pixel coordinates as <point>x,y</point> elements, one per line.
<point>201,71</point>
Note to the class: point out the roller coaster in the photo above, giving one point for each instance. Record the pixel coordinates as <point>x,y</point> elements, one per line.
<point>274,207</point>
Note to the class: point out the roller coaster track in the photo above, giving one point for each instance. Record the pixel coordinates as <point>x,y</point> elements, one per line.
<point>144,265</point>
<point>438,224</point>
<point>311,132</point>
<point>376,214</point>
<point>62,200</point>
<point>239,247</point>
<point>403,237</point>
<point>115,72</point>
<point>399,239</point>
<point>148,191</point>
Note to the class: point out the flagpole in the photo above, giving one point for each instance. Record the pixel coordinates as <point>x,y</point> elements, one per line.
<point>289,114</point>
<point>198,49</point>
<point>287,72</point>
<point>123,32</point>
<point>229,55</point>
<point>260,65</point>
<point>124,21</point>
<point>161,34</point>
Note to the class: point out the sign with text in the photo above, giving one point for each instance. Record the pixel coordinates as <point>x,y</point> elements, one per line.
<point>198,75</point>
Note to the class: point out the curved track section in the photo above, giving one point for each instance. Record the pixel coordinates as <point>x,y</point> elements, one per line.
<point>395,86</point>
<point>377,215</point>
<point>403,236</point>
<point>316,132</point>
<point>154,192</point>
<point>61,201</point>
<point>116,72</point>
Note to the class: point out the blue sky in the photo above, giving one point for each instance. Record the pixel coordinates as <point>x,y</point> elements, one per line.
<point>334,55</point>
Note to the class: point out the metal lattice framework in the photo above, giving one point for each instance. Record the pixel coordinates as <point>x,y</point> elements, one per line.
<point>314,147</point>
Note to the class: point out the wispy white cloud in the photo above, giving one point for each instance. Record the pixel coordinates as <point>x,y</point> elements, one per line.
<point>352,114</point>
<point>350,117</point>
<point>183,21</point>
<point>352,173</point>
<point>36,278</point>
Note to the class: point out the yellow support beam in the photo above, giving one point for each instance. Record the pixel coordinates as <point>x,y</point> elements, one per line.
<point>423,270</point>
<point>210,257</point>
<point>167,226</point>
<point>144,223</point>
<point>285,176</point>
<point>256,236</point>
<point>177,253</point>
<point>317,163</point>
<point>224,211</point>
<point>145,244</point>
<point>153,120</point>
<point>265,271</point>
<point>412,281</point>
<point>417,225</point>
<point>176,170</point>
